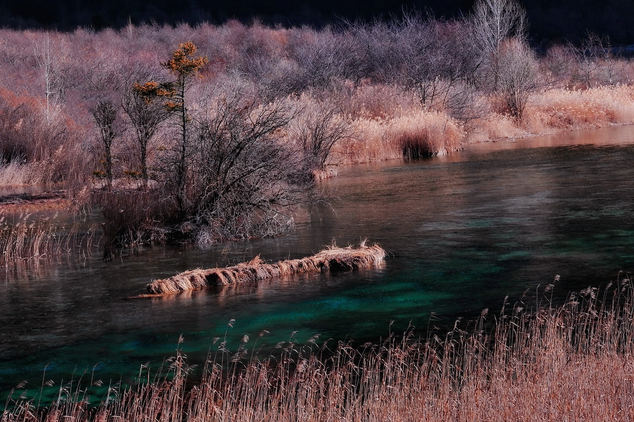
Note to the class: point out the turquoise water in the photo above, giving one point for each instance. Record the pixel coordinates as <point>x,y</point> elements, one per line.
<point>462,232</point>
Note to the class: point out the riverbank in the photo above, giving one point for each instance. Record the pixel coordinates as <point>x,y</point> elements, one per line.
<point>547,364</point>
<point>463,232</point>
<point>399,129</point>
<point>263,113</point>
<point>407,133</point>
<point>432,133</point>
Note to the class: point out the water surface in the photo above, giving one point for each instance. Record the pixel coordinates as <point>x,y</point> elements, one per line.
<point>462,231</point>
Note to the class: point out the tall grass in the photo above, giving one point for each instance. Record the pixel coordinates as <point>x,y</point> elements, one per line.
<point>567,362</point>
<point>425,134</point>
<point>24,238</point>
<point>563,108</point>
<point>557,109</point>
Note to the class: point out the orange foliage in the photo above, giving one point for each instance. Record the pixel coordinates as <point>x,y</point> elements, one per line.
<point>183,61</point>
<point>153,89</point>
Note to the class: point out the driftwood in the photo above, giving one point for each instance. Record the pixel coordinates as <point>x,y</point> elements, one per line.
<point>331,260</point>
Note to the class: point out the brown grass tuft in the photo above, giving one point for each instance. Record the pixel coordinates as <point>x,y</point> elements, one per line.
<point>332,259</point>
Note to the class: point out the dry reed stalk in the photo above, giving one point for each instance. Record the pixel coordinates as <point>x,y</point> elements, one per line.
<point>25,238</point>
<point>570,362</point>
<point>332,260</point>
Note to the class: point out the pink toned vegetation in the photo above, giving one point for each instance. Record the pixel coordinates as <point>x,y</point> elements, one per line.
<point>383,114</point>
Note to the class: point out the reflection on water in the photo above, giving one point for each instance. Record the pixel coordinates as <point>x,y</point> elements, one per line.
<point>462,232</point>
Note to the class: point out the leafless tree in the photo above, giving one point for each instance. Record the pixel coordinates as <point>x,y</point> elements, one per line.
<point>244,178</point>
<point>48,58</point>
<point>494,21</point>
<point>560,65</point>
<point>518,75</point>
<point>319,130</point>
<point>105,115</point>
<point>146,113</point>
<point>594,66</point>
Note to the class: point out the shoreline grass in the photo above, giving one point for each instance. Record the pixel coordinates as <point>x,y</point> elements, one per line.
<point>25,237</point>
<point>568,362</point>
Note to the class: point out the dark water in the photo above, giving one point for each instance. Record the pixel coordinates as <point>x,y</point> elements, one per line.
<point>462,231</point>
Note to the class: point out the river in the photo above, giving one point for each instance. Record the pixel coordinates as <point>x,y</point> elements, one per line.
<point>462,232</point>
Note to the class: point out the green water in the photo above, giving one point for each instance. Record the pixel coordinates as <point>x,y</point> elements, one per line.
<point>462,233</point>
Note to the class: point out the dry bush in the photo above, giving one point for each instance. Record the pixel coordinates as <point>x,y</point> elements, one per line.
<point>133,218</point>
<point>48,149</point>
<point>244,179</point>
<point>517,76</point>
<point>16,174</point>
<point>317,128</point>
<point>413,134</point>
<point>425,134</point>
<point>493,127</point>
<point>559,66</point>
<point>375,101</point>
<point>369,145</point>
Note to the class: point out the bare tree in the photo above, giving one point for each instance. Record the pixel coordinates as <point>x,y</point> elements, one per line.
<point>47,61</point>
<point>560,64</point>
<point>518,75</point>
<point>146,114</point>
<point>593,61</point>
<point>244,177</point>
<point>494,21</point>
<point>105,115</point>
<point>319,131</point>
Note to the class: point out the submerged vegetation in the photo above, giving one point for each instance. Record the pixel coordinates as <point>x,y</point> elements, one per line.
<point>222,130</point>
<point>332,259</point>
<point>25,237</point>
<point>547,364</point>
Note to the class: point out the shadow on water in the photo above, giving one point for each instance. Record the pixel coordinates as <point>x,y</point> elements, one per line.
<point>463,232</point>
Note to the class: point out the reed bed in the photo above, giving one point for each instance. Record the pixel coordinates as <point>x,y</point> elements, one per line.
<point>594,107</point>
<point>25,237</point>
<point>570,362</point>
<point>332,259</point>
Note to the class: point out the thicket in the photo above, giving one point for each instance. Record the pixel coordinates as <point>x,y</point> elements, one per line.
<point>217,132</point>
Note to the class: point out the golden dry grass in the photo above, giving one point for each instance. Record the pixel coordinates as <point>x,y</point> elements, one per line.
<point>408,131</point>
<point>570,362</point>
<point>14,174</point>
<point>39,205</point>
<point>565,109</point>
<point>559,109</point>
<point>425,134</point>
<point>412,133</point>
<point>331,259</point>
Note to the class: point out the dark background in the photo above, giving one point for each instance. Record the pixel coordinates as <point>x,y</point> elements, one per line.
<point>550,20</point>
